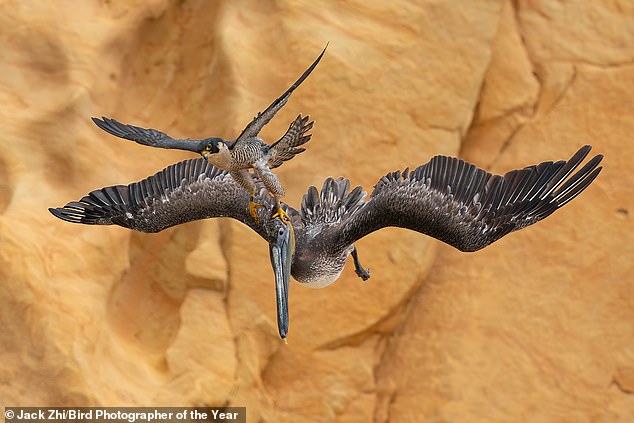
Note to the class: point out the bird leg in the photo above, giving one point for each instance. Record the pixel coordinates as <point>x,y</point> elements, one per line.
<point>244,179</point>
<point>252,209</point>
<point>281,213</point>
<point>273,185</point>
<point>358,269</point>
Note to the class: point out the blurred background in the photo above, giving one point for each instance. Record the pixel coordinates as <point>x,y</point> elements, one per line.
<point>538,327</point>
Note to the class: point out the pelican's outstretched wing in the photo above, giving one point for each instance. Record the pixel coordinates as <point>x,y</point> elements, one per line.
<point>186,191</point>
<point>255,126</point>
<point>150,137</point>
<point>465,206</point>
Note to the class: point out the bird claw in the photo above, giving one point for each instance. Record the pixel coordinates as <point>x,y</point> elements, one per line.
<point>362,273</point>
<point>252,210</point>
<point>282,215</point>
<point>358,269</point>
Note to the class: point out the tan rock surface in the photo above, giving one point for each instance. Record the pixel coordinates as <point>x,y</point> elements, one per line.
<point>538,327</point>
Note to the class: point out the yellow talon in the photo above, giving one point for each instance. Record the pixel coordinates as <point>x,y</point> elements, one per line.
<point>284,341</point>
<point>282,215</point>
<point>252,206</point>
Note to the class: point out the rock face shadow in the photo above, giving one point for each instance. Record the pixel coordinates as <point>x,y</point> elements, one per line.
<point>6,192</point>
<point>143,308</point>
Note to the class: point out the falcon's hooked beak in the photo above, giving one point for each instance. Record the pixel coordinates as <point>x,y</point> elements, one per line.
<point>281,252</point>
<point>205,155</point>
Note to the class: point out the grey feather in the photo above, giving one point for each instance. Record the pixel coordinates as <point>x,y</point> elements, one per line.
<point>447,198</point>
<point>149,137</point>
<point>286,147</point>
<point>255,126</point>
<point>467,207</point>
<point>181,193</point>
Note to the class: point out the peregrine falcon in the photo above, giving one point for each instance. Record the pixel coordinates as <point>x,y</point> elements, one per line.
<point>447,198</point>
<point>247,151</point>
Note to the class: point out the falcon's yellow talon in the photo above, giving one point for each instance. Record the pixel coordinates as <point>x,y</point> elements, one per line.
<point>282,215</point>
<point>252,210</point>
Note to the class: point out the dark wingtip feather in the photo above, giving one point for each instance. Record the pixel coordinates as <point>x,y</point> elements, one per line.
<point>101,123</point>
<point>112,126</point>
<point>580,186</point>
<point>56,212</point>
<point>69,215</point>
<point>567,169</point>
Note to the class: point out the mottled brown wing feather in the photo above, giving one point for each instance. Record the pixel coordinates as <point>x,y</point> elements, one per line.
<point>286,147</point>
<point>186,191</point>
<point>465,206</point>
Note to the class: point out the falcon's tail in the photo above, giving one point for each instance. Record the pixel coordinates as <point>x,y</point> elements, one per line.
<point>286,147</point>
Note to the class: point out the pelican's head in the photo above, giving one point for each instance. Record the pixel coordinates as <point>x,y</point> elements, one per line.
<point>281,249</point>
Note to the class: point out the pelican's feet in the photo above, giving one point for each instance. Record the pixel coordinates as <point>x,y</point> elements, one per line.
<point>358,269</point>
<point>252,210</point>
<point>282,215</point>
<point>362,273</point>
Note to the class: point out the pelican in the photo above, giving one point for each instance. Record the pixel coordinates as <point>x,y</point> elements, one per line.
<point>446,198</point>
<point>247,151</point>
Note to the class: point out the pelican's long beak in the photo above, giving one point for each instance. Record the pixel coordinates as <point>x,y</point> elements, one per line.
<point>281,252</point>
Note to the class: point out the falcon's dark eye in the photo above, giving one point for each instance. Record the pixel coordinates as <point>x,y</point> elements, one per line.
<point>212,147</point>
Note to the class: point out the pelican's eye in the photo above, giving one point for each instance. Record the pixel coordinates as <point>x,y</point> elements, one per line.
<point>281,232</point>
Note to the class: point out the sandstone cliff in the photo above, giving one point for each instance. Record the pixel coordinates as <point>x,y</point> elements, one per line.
<point>538,327</point>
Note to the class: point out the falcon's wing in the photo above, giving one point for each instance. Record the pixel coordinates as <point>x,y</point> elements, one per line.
<point>186,191</point>
<point>258,122</point>
<point>465,206</point>
<point>150,137</point>
<point>286,147</point>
